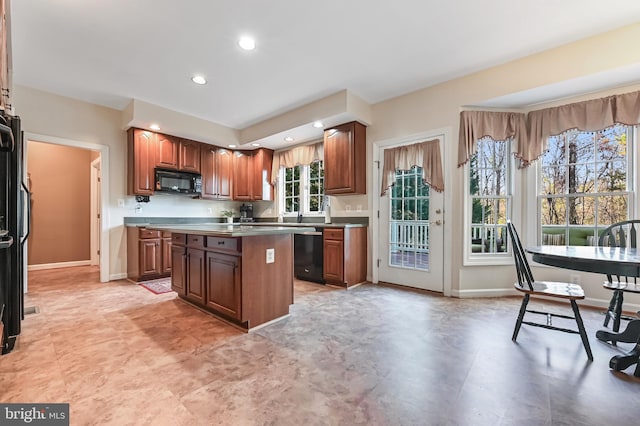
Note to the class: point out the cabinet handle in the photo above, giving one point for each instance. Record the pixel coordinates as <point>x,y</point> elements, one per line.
<point>220,243</point>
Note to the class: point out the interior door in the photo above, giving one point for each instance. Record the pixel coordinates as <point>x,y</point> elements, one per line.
<point>411,233</point>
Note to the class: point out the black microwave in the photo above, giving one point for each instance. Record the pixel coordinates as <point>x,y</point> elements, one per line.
<point>178,182</point>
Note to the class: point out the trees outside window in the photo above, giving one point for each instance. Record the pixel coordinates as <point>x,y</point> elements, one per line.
<point>584,185</point>
<point>302,189</point>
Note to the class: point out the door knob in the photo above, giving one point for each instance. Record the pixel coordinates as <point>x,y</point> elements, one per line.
<point>438,211</point>
<point>436,222</point>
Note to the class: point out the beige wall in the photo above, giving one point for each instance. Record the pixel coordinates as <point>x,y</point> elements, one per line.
<point>59,178</point>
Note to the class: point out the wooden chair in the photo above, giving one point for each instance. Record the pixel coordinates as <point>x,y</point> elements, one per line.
<point>621,234</point>
<point>560,290</point>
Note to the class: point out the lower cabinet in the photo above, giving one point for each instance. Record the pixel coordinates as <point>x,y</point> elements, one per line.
<point>148,254</point>
<point>179,269</point>
<point>345,255</point>
<point>223,284</point>
<point>195,275</point>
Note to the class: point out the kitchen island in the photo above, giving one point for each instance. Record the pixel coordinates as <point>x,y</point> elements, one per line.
<point>241,273</point>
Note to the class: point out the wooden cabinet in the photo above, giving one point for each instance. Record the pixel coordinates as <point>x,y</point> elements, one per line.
<point>141,161</point>
<point>189,156</point>
<point>345,159</point>
<point>148,254</point>
<point>223,284</point>
<point>345,255</point>
<point>242,175</point>
<point>216,173</point>
<point>262,162</point>
<point>167,152</point>
<point>179,269</point>
<point>195,268</point>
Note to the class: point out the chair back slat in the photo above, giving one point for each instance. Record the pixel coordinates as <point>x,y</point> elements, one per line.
<point>621,234</point>
<point>525,277</point>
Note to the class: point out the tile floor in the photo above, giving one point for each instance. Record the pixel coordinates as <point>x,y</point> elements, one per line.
<point>371,355</point>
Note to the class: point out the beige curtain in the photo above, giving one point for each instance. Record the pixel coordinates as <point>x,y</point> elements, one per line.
<point>591,115</point>
<point>499,126</point>
<point>423,154</point>
<point>300,155</point>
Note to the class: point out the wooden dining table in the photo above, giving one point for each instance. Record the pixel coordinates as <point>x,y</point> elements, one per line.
<point>600,260</point>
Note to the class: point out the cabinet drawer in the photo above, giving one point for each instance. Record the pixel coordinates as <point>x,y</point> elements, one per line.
<point>334,234</point>
<point>195,241</point>
<point>179,239</point>
<point>222,243</point>
<point>144,233</point>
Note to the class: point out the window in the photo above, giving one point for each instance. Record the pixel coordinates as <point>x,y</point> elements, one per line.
<point>490,196</point>
<point>302,189</point>
<point>409,224</point>
<point>585,184</point>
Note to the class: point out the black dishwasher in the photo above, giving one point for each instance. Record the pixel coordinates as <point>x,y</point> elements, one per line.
<point>307,256</point>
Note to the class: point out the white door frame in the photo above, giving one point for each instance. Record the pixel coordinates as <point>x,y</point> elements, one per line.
<point>96,217</point>
<point>104,193</point>
<point>444,134</point>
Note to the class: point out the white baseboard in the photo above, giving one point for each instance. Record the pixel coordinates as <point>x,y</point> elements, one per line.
<point>58,265</point>
<point>115,277</point>
<point>487,292</point>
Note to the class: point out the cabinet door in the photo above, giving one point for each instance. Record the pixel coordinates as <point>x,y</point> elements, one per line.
<point>216,173</point>
<point>142,148</point>
<point>189,156</point>
<point>208,167</point>
<point>167,152</point>
<point>223,284</point>
<point>224,174</point>
<point>345,159</point>
<point>262,162</point>
<point>195,275</point>
<point>179,266</point>
<point>166,255</point>
<point>242,176</point>
<point>333,260</point>
<point>150,257</point>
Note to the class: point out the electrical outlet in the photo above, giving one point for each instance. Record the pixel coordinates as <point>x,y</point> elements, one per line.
<point>271,255</point>
<point>120,202</point>
<point>138,210</point>
<point>210,210</point>
<point>575,279</point>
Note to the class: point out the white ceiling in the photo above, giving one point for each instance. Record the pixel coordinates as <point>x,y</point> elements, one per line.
<point>109,52</point>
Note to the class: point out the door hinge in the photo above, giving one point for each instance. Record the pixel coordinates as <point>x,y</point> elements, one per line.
<point>378,214</point>
<point>378,263</point>
<point>98,215</point>
<point>98,252</point>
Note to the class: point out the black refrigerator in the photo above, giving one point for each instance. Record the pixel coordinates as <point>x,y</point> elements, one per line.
<point>14,229</point>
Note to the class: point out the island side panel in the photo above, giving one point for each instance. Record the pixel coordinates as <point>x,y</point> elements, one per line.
<point>267,288</point>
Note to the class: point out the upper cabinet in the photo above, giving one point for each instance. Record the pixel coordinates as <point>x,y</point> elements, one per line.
<point>167,152</point>
<point>262,161</point>
<point>189,156</point>
<point>217,170</point>
<point>226,175</point>
<point>141,154</point>
<point>242,175</point>
<point>345,159</point>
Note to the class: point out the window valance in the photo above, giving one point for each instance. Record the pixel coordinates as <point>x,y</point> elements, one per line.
<point>298,156</point>
<point>499,126</point>
<point>530,132</point>
<point>423,154</point>
<point>591,115</point>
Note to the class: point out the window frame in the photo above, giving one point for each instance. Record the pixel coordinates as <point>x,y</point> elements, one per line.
<point>534,175</point>
<point>305,195</point>
<point>514,200</point>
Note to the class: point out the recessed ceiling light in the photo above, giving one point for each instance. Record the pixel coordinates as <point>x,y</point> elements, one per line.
<point>318,124</point>
<point>255,144</point>
<point>154,126</point>
<point>232,146</point>
<point>198,79</point>
<point>247,43</point>
<point>288,139</point>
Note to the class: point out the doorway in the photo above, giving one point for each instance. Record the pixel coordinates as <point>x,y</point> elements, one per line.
<point>408,240</point>
<point>96,218</point>
<point>101,153</point>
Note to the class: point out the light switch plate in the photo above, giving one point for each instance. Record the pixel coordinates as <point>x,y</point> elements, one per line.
<point>271,255</point>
